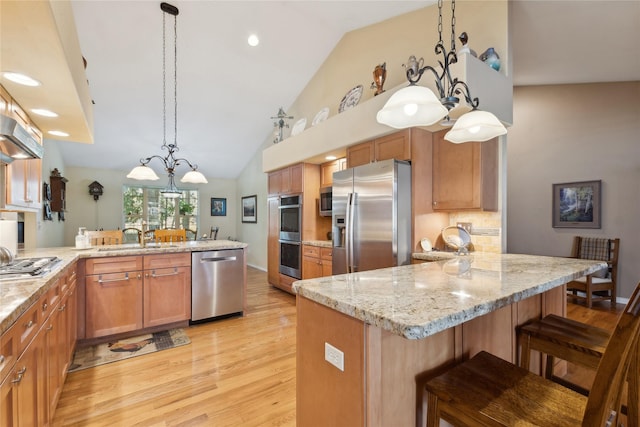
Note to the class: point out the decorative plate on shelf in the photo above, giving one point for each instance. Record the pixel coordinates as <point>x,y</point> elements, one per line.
<point>321,116</point>
<point>299,126</point>
<point>351,99</point>
<point>425,243</point>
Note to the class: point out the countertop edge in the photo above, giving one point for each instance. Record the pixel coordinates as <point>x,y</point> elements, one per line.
<point>24,293</point>
<point>417,330</point>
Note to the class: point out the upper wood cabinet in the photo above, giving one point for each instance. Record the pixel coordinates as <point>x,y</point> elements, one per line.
<point>24,183</point>
<point>465,176</point>
<point>394,146</point>
<point>327,169</point>
<point>287,180</point>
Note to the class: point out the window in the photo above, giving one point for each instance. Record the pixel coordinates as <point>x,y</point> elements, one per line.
<point>147,204</point>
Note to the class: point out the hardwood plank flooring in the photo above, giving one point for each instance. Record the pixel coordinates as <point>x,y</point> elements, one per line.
<point>235,372</point>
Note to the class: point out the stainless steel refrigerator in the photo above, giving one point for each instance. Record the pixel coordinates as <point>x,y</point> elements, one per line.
<point>371,214</point>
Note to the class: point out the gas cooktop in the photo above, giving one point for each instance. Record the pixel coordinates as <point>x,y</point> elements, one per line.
<point>23,268</point>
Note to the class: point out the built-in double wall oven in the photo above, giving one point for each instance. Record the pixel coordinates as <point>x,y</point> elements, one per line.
<point>290,236</point>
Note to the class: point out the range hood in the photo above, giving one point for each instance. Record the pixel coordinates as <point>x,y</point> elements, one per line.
<point>16,143</point>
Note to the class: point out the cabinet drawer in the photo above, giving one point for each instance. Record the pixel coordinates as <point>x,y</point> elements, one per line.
<point>50,300</point>
<point>8,351</point>
<point>182,259</point>
<point>113,264</point>
<point>27,326</point>
<point>326,254</point>
<point>311,251</point>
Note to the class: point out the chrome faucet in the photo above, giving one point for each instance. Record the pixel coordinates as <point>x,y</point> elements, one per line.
<point>143,237</point>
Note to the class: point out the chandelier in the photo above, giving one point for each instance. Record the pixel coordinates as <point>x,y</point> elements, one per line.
<point>144,172</point>
<point>419,106</point>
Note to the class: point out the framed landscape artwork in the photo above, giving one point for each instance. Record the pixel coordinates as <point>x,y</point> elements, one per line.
<point>250,209</point>
<point>576,205</point>
<point>218,206</point>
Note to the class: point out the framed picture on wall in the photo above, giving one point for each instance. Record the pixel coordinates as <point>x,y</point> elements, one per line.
<point>218,206</point>
<point>576,204</point>
<point>250,208</point>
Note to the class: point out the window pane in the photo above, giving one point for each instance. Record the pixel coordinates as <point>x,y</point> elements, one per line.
<point>148,204</point>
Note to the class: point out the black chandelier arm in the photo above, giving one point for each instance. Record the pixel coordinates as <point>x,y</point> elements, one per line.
<point>145,161</point>
<point>460,87</point>
<point>413,79</point>
<point>193,166</point>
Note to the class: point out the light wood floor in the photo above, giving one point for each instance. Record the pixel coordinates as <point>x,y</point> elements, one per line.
<point>235,372</point>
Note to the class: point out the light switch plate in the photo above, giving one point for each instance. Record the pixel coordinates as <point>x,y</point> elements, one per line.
<point>334,356</point>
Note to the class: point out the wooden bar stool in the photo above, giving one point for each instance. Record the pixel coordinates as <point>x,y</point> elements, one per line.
<point>170,235</point>
<point>578,343</point>
<point>489,391</point>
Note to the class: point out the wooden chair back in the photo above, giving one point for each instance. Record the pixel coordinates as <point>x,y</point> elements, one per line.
<point>105,237</point>
<point>610,255</point>
<point>620,355</point>
<point>170,235</point>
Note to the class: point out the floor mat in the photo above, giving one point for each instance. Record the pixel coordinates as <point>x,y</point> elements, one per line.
<point>99,354</point>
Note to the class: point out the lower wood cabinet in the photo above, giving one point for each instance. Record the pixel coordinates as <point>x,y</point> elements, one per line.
<point>125,294</point>
<point>316,262</point>
<point>37,352</point>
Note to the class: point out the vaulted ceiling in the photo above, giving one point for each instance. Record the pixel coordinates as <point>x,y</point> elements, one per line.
<point>229,90</point>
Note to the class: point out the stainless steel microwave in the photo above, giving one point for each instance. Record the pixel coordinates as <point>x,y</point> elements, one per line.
<point>325,201</point>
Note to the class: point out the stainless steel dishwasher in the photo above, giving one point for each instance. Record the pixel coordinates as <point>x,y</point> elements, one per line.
<point>217,284</point>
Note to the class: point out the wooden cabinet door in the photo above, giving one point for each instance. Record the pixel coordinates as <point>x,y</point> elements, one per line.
<point>273,246</point>
<point>274,183</point>
<point>360,154</point>
<point>167,295</point>
<point>327,169</point>
<point>464,175</point>
<point>53,339</point>
<point>8,402</point>
<point>311,268</point>
<point>296,178</point>
<point>113,303</point>
<point>395,146</point>
<point>26,383</point>
<point>23,183</point>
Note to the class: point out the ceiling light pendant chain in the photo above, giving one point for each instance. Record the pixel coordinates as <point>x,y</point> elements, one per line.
<point>419,106</point>
<point>144,172</point>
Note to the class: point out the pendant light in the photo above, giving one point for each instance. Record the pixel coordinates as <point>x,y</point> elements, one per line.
<point>419,106</point>
<point>144,172</point>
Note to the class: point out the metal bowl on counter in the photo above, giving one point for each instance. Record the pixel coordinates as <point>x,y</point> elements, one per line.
<point>457,238</point>
<point>6,257</point>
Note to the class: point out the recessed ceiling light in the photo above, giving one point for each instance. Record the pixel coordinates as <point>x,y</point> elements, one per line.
<point>253,40</point>
<point>331,157</point>
<point>20,156</point>
<point>44,112</point>
<point>21,79</point>
<point>57,133</point>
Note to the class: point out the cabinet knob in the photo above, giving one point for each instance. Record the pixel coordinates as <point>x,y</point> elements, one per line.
<point>44,306</point>
<point>1,359</point>
<point>62,308</point>
<point>28,324</point>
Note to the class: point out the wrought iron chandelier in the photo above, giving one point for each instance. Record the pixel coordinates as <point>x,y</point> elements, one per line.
<point>419,106</point>
<point>144,172</point>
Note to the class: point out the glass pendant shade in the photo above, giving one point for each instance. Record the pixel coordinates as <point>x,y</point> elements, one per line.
<point>411,106</point>
<point>475,126</point>
<point>194,177</point>
<point>142,172</point>
<point>171,191</point>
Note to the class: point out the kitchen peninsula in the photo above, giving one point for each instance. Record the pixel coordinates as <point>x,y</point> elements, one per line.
<point>367,341</point>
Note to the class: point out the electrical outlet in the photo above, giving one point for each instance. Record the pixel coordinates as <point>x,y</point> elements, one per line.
<point>334,356</point>
<point>465,225</point>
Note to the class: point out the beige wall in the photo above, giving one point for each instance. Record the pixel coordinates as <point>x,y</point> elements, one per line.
<point>575,133</point>
<point>352,63</point>
<point>49,233</point>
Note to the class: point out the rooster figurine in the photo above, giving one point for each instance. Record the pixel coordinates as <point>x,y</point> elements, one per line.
<point>129,347</point>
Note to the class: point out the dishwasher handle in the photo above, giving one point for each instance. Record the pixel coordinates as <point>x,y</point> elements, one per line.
<point>218,259</point>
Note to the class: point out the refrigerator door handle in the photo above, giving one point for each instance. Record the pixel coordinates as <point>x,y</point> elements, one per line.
<point>347,236</point>
<point>351,213</point>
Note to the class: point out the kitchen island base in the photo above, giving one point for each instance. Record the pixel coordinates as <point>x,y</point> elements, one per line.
<point>384,373</point>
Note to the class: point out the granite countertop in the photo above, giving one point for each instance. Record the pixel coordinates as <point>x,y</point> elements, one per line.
<point>16,296</point>
<point>434,255</point>
<point>419,300</point>
<point>319,243</point>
